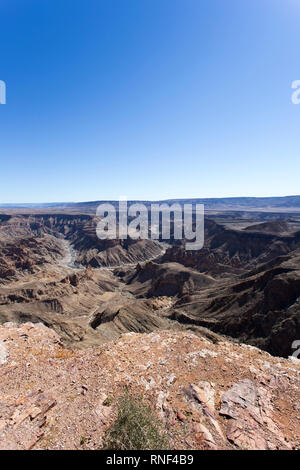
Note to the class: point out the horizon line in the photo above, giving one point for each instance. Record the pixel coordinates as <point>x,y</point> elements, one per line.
<point>144,200</point>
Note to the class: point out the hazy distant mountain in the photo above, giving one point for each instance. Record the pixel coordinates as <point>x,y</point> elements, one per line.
<point>36,205</point>
<point>286,203</point>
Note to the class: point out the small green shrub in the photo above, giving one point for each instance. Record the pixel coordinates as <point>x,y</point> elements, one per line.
<point>108,401</point>
<point>136,427</point>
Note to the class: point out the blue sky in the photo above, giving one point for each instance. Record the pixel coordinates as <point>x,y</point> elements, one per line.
<point>148,99</point>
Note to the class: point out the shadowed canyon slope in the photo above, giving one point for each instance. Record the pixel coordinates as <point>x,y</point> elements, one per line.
<point>243,284</point>
<point>82,320</point>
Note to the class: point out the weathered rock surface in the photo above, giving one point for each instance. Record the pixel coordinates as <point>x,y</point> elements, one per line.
<point>262,307</point>
<point>80,231</point>
<point>209,395</point>
<point>167,279</point>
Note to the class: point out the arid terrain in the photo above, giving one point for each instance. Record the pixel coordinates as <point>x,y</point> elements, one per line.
<point>205,335</point>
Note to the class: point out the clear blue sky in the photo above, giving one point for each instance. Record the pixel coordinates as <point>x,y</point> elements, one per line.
<point>148,98</point>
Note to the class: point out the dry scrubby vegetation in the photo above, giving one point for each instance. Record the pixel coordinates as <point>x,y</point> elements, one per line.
<point>136,427</point>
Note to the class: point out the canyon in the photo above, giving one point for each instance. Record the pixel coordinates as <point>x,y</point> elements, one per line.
<point>226,317</point>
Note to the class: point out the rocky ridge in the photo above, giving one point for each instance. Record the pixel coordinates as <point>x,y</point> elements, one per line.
<point>209,394</point>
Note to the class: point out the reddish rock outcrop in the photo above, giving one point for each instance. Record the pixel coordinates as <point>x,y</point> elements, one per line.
<point>208,395</point>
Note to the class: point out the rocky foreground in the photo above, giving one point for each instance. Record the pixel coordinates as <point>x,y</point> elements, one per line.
<point>209,394</point>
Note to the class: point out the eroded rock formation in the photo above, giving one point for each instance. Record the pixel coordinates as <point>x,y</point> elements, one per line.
<point>208,394</point>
